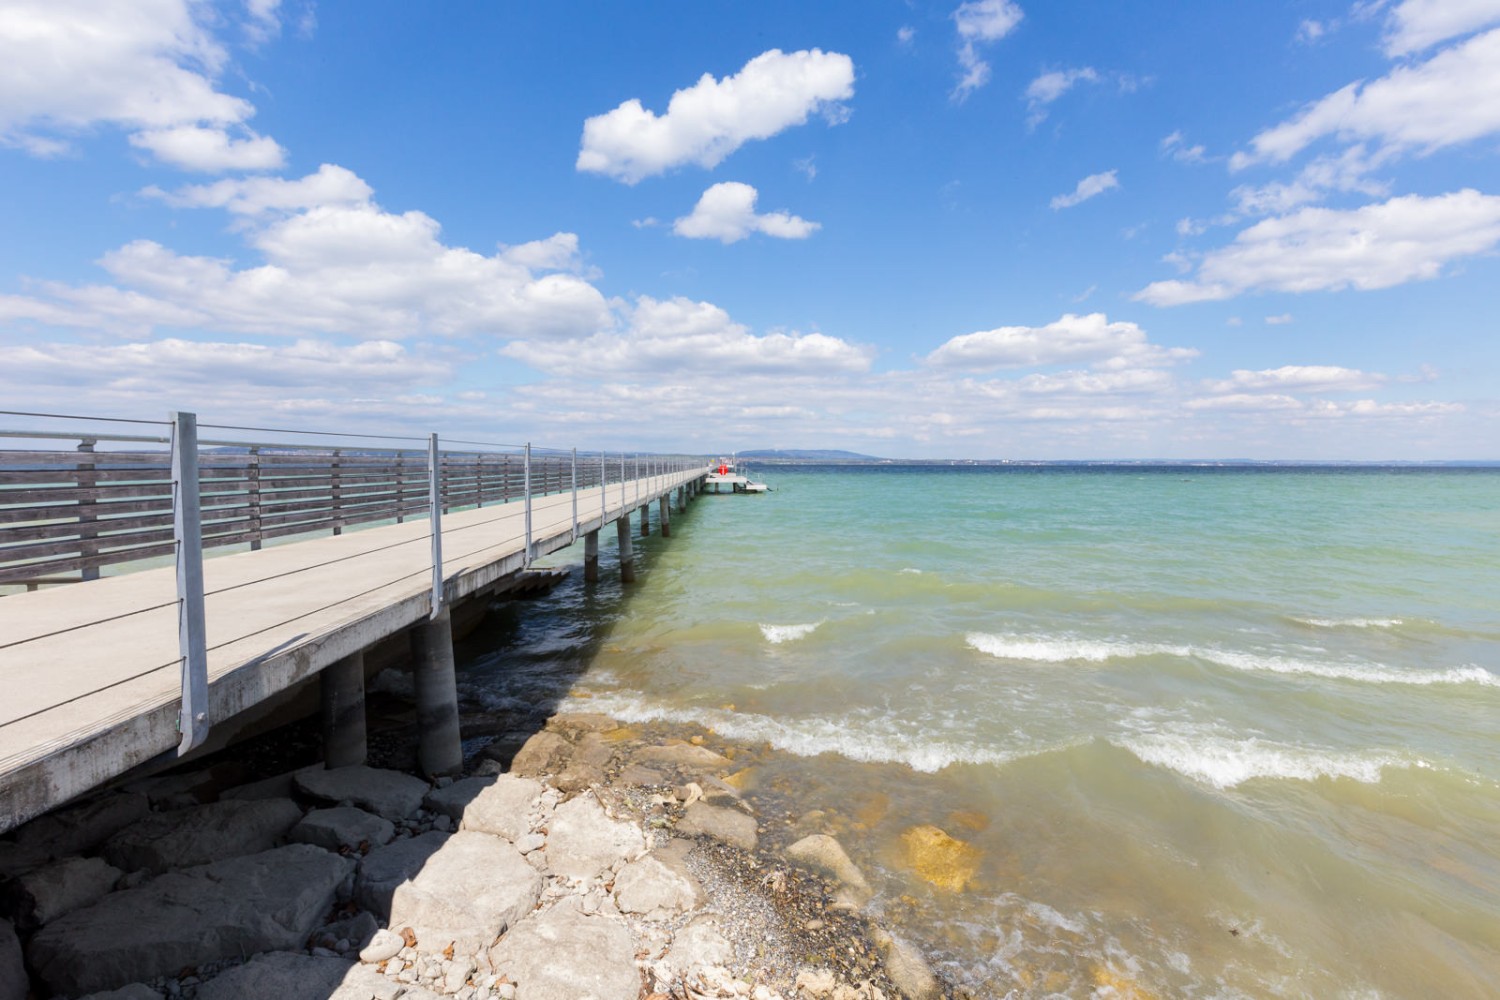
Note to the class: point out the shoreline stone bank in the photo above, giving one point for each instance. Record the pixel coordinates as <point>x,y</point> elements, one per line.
<point>589,860</point>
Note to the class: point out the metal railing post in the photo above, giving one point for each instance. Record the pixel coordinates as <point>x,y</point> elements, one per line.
<point>603,483</point>
<point>187,535</point>
<point>623,501</point>
<point>252,475</point>
<point>88,531</point>
<point>573,475</point>
<point>435,499</point>
<point>526,561</point>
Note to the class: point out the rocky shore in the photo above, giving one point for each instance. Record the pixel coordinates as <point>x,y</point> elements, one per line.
<point>592,860</point>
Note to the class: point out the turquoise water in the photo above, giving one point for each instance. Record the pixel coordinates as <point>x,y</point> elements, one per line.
<point>1208,732</point>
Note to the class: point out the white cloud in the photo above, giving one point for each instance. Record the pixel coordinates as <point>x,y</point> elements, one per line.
<point>708,121</point>
<point>679,335</point>
<point>1089,187</point>
<point>1280,320</point>
<point>980,22</point>
<point>1176,146</point>
<point>1389,243</point>
<point>1309,31</point>
<point>330,185</point>
<point>1346,171</point>
<point>263,20</point>
<point>1415,25</point>
<point>1071,339</point>
<point>1245,402</point>
<point>905,34</point>
<point>726,212</point>
<point>807,166</point>
<point>1050,86</point>
<point>1298,378</point>
<point>148,66</point>
<point>1420,108</point>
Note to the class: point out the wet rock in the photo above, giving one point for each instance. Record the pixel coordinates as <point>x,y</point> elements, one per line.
<point>384,868</point>
<point>729,826</point>
<point>684,756</point>
<point>653,890</point>
<point>342,826</point>
<point>390,794</point>
<point>44,894</point>
<point>13,981</point>
<point>583,841</point>
<point>601,961</point>
<point>228,909</point>
<point>135,991</point>
<point>73,830</point>
<point>636,774</point>
<point>545,753</point>
<point>199,835</point>
<point>467,894</point>
<point>944,861</point>
<point>906,967</point>
<point>825,855</point>
<point>282,975</point>
<point>384,945</point>
<point>582,722</point>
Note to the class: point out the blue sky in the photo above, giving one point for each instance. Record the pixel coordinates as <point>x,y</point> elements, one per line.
<point>987,229</point>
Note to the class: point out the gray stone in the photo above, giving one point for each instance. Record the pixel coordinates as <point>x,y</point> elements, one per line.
<point>71,830</point>
<point>451,799</point>
<point>906,967</point>
<point>386,793</point>
<point>826,856</point>
<point>468,894</point>
<point>44,894</point>
<point>242,906</point>
<point>384,945</point>
<point>683,755</point>
<point>544,753</point>
<point>201,834</point>
<point>384,868</point>
<point>364,982</point>
<point>282,975</point>
<point>135,991</point>
<point>599,962</point>
<point>635,774</point>
<point>699,945</point>
<point>275,787</point>
<point>14,984</point>
<point>201,785</point>
<point>583,841</point>
<point>503,805</point>
<point>342,826</point>
<point>655,891</point>
<point>730,826</point>
<point>355,931</point>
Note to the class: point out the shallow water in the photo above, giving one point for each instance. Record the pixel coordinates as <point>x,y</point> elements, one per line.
<point>1213,732</point>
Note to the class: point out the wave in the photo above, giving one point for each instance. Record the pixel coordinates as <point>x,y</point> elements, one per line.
<point>786,633</point>
<point>1224,763</point>
<point>1046,649</point>
<point>1351,622</point>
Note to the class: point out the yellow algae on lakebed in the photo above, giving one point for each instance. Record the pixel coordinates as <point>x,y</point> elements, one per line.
<point>1108,983</point>
<point>940,859</point>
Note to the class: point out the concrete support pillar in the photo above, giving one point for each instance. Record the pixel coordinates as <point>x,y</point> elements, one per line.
<point>627,553</point>
<point>438,747</point>
<point>666,515</point>
<point>646,520</point>
<point>342,687</point>
<point>591,557</point>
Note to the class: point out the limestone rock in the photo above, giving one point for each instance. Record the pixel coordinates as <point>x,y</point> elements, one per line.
<point>655,891</point>
<point>815,983</point>
<point>544,753</point>
<point>906,967</point>
<point>636,774</point>
<point>583,841</point>
<point>363,982</point>
<point>683,755</point>
<point>13,981</point>
<point>385,944</point>
<point>71,830</point>
<point>384,868</point>
<point>600,964</point>
<point>283,975</point>
<point>467,894</point>
<point>826,856</point>
<point>944,861</point>
<point>44,894</point>
<point>390,794</point>
<point>342,826</point>
<point>698,945</point>
<point>582,722</point>
<point>502,806</point>
<point>242,906</point>
<point>201,834</point>
<point>135,991</point>
<point>729,826</point>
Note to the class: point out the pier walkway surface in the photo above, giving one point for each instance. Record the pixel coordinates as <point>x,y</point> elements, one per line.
<point>92,672</point>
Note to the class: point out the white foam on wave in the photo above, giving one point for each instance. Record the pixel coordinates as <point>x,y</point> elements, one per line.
<point>1224,762</point>
<point>1068,649</point>
<point>786,633</point>
<point>1351,622</point>
<point>865,740</point>
<point>910,569</point>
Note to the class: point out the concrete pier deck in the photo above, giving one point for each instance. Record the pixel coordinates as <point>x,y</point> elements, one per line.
<point>90,672</point>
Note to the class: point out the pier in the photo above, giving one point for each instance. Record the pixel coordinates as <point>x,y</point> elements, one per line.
<point>329,550</point>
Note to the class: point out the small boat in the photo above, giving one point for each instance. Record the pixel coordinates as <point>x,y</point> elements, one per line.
<point>728,473</point>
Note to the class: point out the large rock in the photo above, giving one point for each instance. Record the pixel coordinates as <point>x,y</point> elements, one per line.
<point>654,890</point>
<point>229,909</point>
<point>826,856</point>
<point>13,981</point>
<point>384,868</point>
<point>72,830</point>
<point>135,991</point>
<point>188,787</point>
<point>199,835</point>
<point>582,722</point>
<point>945,861</point>
<point>468,894</point>
<point>599,962</point>
<point>684,756</point>
<point>721,823</point>
<point>503,804</point>
<point>279,974</point>
<point>544,753</point>
<point>386,793</point>
<point>906,967</point>
<point>278,786</point>
<point>42,895</point>
<point>342,826</point>
<point>582,841</point>
<point>699,945</point>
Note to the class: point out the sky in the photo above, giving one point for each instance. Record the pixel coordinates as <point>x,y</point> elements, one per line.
<point>988,229</point>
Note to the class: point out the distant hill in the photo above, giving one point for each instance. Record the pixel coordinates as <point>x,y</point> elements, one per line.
<point>806,455</point>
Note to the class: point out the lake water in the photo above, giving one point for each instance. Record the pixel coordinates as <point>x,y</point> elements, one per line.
<point>1205,732</point>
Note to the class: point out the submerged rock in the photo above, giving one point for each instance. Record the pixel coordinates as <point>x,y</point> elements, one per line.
<point>906,967</point>
<point>684,756</point>
<point>825,855</point>
<point>467,894</point>
<point>944,861</point>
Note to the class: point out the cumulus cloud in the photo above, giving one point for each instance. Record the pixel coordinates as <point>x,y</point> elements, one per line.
<point>680,335</point>
<point>1091,186</point>
<point>150,67</point>
<point>1177,147</point>
<point>329,185</point>
<point>1092,339</point>
<point>1414,25</point>
<point>980,22</point>
<point>1298,378</point>
<point>706,122</point>
<point>726,212</point>
<point>1050,86</point>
